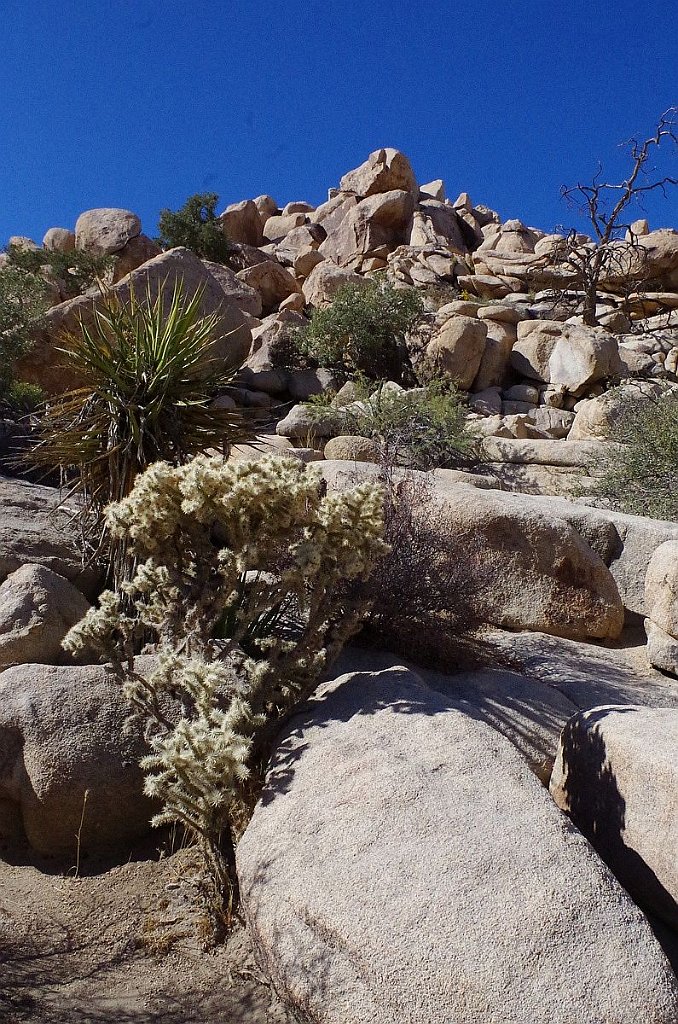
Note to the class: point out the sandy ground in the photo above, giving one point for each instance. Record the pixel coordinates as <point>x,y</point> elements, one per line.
<point>121,946</point>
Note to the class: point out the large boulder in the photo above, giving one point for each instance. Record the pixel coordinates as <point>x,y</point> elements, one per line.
<point>45,366</point>
<point>567,354</point>
<point>135,253</point>
<point>661,587</point>
<point>661,607</point>
<point>38,527</point>
<point>528,567</point>
<point>495,363</point>
<point>271,281</point>
<point>241,222</point>
<point>457,350</point>
<point>59,239</point>
<point>69,759</point>
<point>325,280</point>
<point>597,417</point>
<point>380,220</point>
<point>37,609</point>
<point>616,775</point>
<point>430,878</point>
<point>383,171</point>
<point>436,223</point>
<point>105,230</point>
<point>236,291</point>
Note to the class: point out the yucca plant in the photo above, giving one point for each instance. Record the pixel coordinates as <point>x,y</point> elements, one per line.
<point>147,378</point>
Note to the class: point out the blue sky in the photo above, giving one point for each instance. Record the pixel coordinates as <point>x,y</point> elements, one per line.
<point>139,103</point>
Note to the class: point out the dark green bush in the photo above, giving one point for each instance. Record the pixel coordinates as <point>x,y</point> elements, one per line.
<point>641,477</point>
<point>364,331</point>
<point>197,227</point>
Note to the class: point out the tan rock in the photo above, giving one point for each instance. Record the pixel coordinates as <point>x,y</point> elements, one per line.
<point>496,360</point>
<point>382,219</point>
<point>434,223</point>
<point>267,207</point>
<point>241,222</point>
<point>325,280</point>
<point>236,291</point>
<point>661,588</point>
<point>457,350</point>
<point>135,253</point>
<point>43,365</point>
<point>106,230</point>
<point>272,281</point>
<point>567,354</point>
<point>433,190</point>
<point>352,448</point>
<point>383,171</point>
<point>60,239</point>
<point>276,227</point>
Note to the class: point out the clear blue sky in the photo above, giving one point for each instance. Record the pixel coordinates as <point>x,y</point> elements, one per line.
<point>139,103</point>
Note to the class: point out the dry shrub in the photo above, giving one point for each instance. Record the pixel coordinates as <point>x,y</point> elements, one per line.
<point>423,590</point>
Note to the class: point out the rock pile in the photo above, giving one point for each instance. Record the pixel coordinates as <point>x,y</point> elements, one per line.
<point>514,340</point>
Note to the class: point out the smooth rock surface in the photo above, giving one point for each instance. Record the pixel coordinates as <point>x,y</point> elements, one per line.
<point>37,527</point>
<point>64,732</point>
<point>440,883</point>
<point>557,353</point>
<point>37,609</point>
<point>616,776</point>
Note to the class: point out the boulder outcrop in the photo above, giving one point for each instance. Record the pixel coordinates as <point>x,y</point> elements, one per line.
<point>426,823</point>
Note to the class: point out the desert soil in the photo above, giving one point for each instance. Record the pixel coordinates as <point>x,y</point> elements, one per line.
<point>123,945</point>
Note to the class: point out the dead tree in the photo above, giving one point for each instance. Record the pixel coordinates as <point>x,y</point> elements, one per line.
<point>616,254</point>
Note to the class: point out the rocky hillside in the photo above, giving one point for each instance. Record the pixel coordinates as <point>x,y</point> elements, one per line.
<point>472,820</point>
<point>503,299</point>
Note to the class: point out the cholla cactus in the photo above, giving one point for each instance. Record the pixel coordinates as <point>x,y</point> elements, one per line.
<point>246,577</point>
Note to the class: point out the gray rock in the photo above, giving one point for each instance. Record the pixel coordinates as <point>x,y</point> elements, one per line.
<point>616,775</point>
<point>304,421</point>
<point>63,734</point>
<point>440,883</point>
<point>37,527</point>
<point>37,609</point>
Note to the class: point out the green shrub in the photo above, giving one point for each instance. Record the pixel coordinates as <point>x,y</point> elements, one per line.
<point>364,331</point>
<point>197,227</point>
<point>424,428</point>
<point>641,476</point>
<point>23,300</point>
<point>76,271</point>
<point>147,386</point>
<point>220,550</point>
